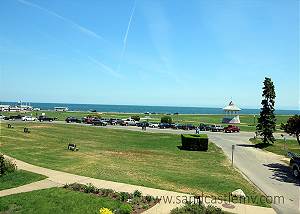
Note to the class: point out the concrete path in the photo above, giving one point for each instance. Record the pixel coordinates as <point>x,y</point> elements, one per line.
<point>43,184</point>
<point>169,200</point>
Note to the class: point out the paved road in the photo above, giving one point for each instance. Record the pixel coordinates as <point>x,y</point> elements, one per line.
<point>265,170</point>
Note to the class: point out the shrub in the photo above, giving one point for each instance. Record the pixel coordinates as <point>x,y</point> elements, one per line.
<point>135,117</point>
<point>104,210</point>
<point>94,116</point>
<point>124,209</point>
<point>6,165</point>
<point>137,194</point>
<point>196,209</point>
<point>198,142</point>
<point>166,119</point>
<point>124,196</point>
<point>89,188</point>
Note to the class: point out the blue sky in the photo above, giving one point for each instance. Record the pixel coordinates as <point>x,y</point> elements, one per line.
<point>149,52</point>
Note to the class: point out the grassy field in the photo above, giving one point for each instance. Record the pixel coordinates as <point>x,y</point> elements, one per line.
<point>18,178</point>
<point>147,159</point>
<point>247,121</point>
<point>55,200</point>
<point>278,146</point>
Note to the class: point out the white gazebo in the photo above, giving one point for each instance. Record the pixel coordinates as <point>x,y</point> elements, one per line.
<point>231,114</point>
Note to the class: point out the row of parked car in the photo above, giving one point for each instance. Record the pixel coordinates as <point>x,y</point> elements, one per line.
<point>127,122</point>
<point>132,122</point>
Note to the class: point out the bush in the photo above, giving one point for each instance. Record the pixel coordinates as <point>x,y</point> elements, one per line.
<point>196,209</point>
<point>89,188</point>
<point>124,196</point>
<point>94,116</point>
<point>137,194</point>
<point>166,119</point>
<point>136,117</point>
<point>198,142</point>
<point>124,209</point>
<point>6,165</point>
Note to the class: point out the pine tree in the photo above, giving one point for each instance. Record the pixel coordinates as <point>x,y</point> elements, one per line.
<point>267,121</point>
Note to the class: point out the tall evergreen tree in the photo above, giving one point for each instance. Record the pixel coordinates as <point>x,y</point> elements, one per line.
<point>267,121</point>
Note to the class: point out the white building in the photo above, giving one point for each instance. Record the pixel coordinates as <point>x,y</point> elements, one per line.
<point>231,114</point>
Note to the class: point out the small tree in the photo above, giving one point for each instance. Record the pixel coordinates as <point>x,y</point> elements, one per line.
<point>136,117</point>
<point>292,126</point>
<point>267,121</point>
<point>166,119</point>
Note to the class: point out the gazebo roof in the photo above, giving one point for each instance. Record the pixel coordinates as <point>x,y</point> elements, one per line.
<point>231,107</point>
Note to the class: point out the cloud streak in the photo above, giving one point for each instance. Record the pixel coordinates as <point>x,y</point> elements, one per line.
<point>104,67</point>
<point>76,26</point>
<point>126,34</point>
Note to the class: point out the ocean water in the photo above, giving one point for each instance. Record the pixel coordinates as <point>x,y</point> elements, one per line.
<point>143,109</point>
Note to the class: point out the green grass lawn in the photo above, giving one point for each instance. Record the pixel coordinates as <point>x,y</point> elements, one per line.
<point>18,178</point>
<point>55,200</point>
<point>247,121</point>
<point>278,146</point>
<point>147,159</point>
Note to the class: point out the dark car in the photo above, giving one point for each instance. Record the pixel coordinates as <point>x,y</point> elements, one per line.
<point>164,125</point>
<point>98,122</point>
<point>45,118</point>
<point>204,127</point>
<point>231,128</point>
<point>188,127</point>
<point>142,124</point>
<point>295,164</point>
<point>176,126</point>
<point>15,117</point>
<point>73,120</point>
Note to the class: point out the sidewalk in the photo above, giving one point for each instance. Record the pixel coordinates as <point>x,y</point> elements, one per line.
<point>58,178</point>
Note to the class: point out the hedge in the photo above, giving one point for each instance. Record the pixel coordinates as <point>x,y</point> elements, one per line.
<point>197,142</point>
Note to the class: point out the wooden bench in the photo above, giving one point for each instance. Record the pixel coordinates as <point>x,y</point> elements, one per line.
<point>72,147</point>
<point>26,130</point>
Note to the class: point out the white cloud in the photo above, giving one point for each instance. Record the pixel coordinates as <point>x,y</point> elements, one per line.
<point>76,26</point>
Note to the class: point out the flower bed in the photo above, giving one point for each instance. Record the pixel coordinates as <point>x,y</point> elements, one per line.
<point>134,203</point>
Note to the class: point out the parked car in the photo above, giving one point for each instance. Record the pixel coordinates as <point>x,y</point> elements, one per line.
<point>45,118</point>
<point>164,125</point>
<point>231,128</point>
<point>176,126</point>
<point>204,127</point>
<point>88,120</point>
<point>188,127</point>
<point>73,120</point>
<point>99,122</point>
<point>29,118</point>
<point>153,125</point>
<point>15,117</point>
<point>216,128</point>
<point>114,121</point>
<point>2,117</point>
<point>128,122</point>
<point>142,124</point>
<point>295,164</point>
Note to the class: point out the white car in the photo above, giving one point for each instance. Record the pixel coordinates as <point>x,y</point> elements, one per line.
<point>153,125</point>
<point>29,118</point>
<point>2,117</point>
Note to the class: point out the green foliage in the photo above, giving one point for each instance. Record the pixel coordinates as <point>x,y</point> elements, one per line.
<point>166,119</point>
<point>89,188</point>
<point>190,208</point>
<point>124,196</point>
<point>198,142</point>
<point>6,165</point>
<point>292,126</point>
<point>267,120</point>
<point>135,117</point>
<point>137,194</point>
<point>124,209</point>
